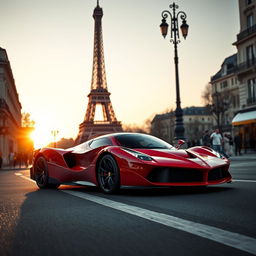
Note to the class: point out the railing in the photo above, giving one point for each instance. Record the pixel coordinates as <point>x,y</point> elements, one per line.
<point>246,65</point>
<point>246,32</point>
<point>251,100</point>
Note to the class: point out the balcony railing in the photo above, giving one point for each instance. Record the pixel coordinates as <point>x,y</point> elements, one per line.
<point>246,32</point>
<point>246,65</point>
<point>251,100</point>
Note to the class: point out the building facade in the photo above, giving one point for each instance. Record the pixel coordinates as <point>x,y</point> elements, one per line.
<point>162,126</point>
<point>225,94</point>
<point>234,86</point>
<point>10,110</point>
<point>196,121</point>
<point>244,122</point>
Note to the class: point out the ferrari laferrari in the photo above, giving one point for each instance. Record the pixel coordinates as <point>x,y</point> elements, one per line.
<point>118,160</point>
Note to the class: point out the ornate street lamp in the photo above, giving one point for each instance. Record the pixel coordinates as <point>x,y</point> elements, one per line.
<point>54,134</point>
<point>175,39</point>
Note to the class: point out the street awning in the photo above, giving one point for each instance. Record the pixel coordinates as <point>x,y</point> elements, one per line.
<point>244,118</point>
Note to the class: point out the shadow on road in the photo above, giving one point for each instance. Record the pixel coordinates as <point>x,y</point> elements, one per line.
<point>149,192</point>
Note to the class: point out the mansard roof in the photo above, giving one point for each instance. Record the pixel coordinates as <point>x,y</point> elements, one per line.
<point>188,111</point>
<point>230,64</point>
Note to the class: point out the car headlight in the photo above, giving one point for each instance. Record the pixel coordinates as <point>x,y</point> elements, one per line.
<point>139,155</point>
<point>145,157</point>
<point>219,155</point>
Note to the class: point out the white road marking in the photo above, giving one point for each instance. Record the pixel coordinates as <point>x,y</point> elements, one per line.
<point>253,181</point>
<point>24,177</point>
<point>235,240</point>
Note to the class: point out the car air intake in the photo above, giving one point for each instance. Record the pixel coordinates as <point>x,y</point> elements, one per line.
<point>173,175</point>
<point>217,174</point>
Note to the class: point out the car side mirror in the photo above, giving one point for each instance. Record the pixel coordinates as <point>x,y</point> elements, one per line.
<point>180,143</point>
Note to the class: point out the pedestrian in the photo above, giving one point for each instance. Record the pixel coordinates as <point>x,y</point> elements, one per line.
<point>14,159</point>
<point>206,140</point>
<point>231,151</point>
<point>11,157</point>
<point>216,141</point>
<point>226,142</point>
<point>238,144</point>
<point>1,159</point>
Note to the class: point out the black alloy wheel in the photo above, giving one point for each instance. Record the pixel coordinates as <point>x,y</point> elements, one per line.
<point>41,174</point>
<point>108,174</point>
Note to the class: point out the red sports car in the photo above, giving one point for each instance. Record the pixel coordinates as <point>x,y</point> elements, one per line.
<point>129,159</point>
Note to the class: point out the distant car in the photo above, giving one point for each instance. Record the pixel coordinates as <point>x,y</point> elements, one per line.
<point>129,159</point>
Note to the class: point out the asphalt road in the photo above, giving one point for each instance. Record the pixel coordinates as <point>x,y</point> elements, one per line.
<point>217,220</point>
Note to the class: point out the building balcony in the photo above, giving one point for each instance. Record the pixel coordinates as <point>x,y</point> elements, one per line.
<point>246,68</point>
<point>251,100</point>
<point>245,34</point>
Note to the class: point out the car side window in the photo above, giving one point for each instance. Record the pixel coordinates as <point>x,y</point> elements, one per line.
<point>100,142</point>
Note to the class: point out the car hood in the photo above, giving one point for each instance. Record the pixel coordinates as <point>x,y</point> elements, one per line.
<point>168,153</point>
<point>182,158</point>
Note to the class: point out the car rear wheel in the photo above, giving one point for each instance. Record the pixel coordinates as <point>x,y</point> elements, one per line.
<point>41,174</point>
<point>108,174</point>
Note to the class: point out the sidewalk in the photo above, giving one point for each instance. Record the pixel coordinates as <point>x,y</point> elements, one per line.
<point>249,155</point>
<point>10,168</point>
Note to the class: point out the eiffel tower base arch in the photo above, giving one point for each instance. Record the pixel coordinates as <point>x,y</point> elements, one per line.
<point>89,130</point>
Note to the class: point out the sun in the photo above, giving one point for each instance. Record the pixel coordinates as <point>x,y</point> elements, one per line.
<point>41,137</point>
<point>43,133</point>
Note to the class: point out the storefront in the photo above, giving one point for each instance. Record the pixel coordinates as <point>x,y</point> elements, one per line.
<point>244,124</point>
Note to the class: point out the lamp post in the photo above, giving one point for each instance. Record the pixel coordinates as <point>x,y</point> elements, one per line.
<point>54,134</point>
<point>175,39</point>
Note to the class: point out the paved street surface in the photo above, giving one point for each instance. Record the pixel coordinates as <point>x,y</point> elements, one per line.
<point>218,220</point>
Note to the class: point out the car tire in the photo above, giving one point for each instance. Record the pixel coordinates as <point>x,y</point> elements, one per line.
<point>41,174</point>
<point>108,174</point>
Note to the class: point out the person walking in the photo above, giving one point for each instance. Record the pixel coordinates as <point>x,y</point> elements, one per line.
<point>216,141</point>
<point>238,144</point>
<point>227,146</point>
<point>206,140</point>
<point>1,159</point>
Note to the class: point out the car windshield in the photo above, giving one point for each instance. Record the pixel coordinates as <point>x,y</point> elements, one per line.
<point>141,141</point>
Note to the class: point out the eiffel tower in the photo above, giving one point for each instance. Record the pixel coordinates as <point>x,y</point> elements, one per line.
<point>99,95</point>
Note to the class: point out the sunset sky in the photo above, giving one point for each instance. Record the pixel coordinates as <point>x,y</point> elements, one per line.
<point>50,47</point>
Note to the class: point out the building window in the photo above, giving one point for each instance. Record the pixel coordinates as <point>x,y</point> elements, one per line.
<point>227,119</point>
<point>224,84</point>
<point>250,21</point>
<point>233,101</point>
<point>251,91</point>
<point>250,55</point>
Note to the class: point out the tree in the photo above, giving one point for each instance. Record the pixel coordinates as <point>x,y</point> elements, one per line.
<point>144,128</point>
<point>207,95</point>
<point>26,120</point>
<point>217,102</point>
<point>133,128</point>
<point>220,104</point>
<point>63,143</point>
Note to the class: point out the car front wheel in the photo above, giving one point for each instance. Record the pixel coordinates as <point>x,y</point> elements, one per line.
<point>108,174</point>
<point>41,174</point>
